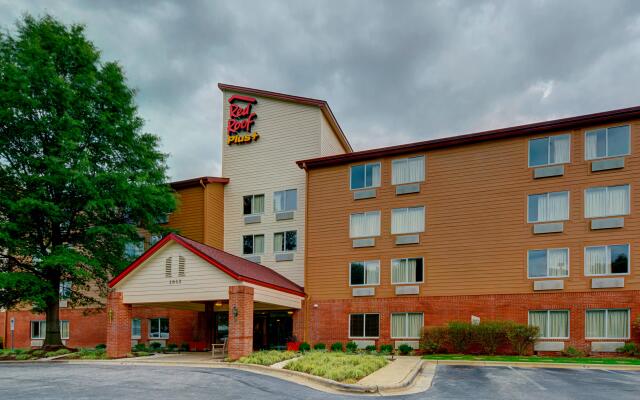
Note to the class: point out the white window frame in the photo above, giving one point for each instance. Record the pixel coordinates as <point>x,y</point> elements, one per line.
<point>547,194</point>
<point>295,208</point>
<point>548,311</point>
<point>68,329</point>
<point>606,322</point>
<point>406,322</point>
<point>364,322</point>
<point>406,160</point>
<point>607,192</point>
<point>365,273</point>
<point>373,185</point>
<point>586,133</point>
<point>548,151</point>
<point>406,210</point>
<point>43,329</point>
<point>407,258</point>
<point>253,235</point>
<point>65,289</point>
<point>139,336</point>
<point>160,333</point>
<point>366,213</point>
<point>548,276</point>
<point>607,246</point>
<point>284,240</point>
<point>252,199</point>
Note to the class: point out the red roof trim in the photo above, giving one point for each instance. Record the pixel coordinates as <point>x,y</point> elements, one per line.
<point>324,106</point>
<point>178,239</point>
<point>198,182</point>
<point>538,127</point>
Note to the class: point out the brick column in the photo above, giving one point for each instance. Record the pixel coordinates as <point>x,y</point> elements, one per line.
<point>240,321</point>
<point>298,324</point>
<point>118,326</point>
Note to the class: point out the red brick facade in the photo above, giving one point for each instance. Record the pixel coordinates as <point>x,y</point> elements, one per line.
<point>240,321</point>
<point>328,320</point>
<point>118,326</point>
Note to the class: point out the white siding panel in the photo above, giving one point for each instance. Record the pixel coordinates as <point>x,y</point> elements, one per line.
<point>272,296</point>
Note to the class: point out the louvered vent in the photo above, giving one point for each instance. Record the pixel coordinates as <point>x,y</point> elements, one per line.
<point>181,266</point>
<point>167,267</point>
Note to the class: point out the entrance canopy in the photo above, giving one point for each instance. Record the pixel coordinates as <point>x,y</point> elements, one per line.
<point>178,269</point>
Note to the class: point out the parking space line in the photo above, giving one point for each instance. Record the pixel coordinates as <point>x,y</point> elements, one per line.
<point>539,386</point>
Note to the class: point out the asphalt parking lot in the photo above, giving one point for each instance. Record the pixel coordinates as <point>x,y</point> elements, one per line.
<point>97,382</point>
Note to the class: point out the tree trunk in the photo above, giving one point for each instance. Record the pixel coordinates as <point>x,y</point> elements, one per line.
<point>52,339</point>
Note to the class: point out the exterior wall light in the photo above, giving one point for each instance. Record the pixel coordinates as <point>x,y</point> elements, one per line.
<point>235,311</point>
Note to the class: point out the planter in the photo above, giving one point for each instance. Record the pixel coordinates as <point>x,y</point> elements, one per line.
<point>293,346</point>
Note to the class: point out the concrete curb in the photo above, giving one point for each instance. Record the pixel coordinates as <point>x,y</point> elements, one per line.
<point>473,363</point>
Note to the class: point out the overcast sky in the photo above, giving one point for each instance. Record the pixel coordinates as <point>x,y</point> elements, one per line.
<point>392,71</point>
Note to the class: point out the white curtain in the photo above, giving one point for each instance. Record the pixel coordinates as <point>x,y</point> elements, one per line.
<point>64,329</point>
<point>591,144</point>
<point>278,201</point>
<point>561,146</point>
<point>558,324</point>
<point>398,325</point>
<point>278,241</point>
<point>596,258</point>
<point>407,220</point>
<point>618,199</point>
<point>407,170</point>
<point>539,319</point>
<point>414,324</point>
<point>365,224</point>
<point>404,270</point>
<point>558,206</point>
<point>258,204</point>
<point>617,324</point>
<point>595,202</point>
<point>596,324</point>
<point>258,244</point>
<point>557,260</point>
<point>375,174</point>
<point>372,273</point>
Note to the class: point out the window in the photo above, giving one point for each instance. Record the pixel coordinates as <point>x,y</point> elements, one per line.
<point>553,324</point>
<point>159,328</point>
<point>134,249</point>
<point>406,325</point>
<point>253,204</point>
<point>606,201</point>
<point>548,207</point>
<point>64,330</point>
<point>607,142</point>
<point>136,329</point>
<point>607,324</point>
<point>364,325</point>
<point>285,241</point>
<point>548,263</point>
<point>365,224</point>
<point>407,220</point>
<point>365,176</point>
<point>285,200</point>
<point>38,329</point>
<point>65,290</point>
<point>363,273</point>
<point>407,170</point>
<point>407,270</point>
<point>549,150</point>
<point>606,260</point>
<point>253,244</point>
<point>154,239</point>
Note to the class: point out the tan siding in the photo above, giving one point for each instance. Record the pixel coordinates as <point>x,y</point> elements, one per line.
<point>476,235</point>
<point>188,218</point>
<point>214,220</point>
<point>329,143</point>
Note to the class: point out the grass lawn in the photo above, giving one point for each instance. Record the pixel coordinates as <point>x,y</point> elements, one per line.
<point>563,360</point>
<point>341,367</point>
<point>267,357</point>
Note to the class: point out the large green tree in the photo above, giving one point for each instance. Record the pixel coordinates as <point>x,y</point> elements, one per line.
<point>78,176</point>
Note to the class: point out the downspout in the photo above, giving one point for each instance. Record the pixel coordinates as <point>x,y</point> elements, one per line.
<point>306,252</point>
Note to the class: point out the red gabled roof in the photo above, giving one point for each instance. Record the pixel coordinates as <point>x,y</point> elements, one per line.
<point>237,267</point>
<point>606,117</point>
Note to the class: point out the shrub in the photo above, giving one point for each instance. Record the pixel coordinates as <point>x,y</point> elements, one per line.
<point>337,346</point>
<point>572,352</point>
<point>629,349</point>
<point>490,335</point>
<point>155,345</point>
<point>184,347</point>
<point>352,347</point>
<point>92,354</point>
<point>38,353</point>
<point>267,357</point>
<point>434,339</point>
<point>405,349</point>
<point>304,346</point>
<point>370,349</point>
<point>140,347</point>
<point>460,336</point>
<point>319,346</point>
<point>142,354</point>
<point>101,346</point>
<point>522,337</point>
<point>23,357</point>
<point>386,348</point>
<point>172,347</point>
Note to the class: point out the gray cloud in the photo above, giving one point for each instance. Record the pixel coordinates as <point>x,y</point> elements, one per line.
<point>393,71</point>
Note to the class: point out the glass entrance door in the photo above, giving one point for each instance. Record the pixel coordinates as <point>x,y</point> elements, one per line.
<point>271,329</point>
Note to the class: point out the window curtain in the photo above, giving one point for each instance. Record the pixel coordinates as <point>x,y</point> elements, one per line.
<point>408,170</point>
<point>278,242</point>
<point>559,149</point>
<point>365,224</point>
<point>596,258</point>
<point>558,324</point>
<point>617,324</point>
<point>278,201</point>
<point>135,328</point>
<point>618,199</point>
<point>374,169</point>
<point>539,319</point>
<point>596,202</point>
<point>596,324</point>
<point>558,206</point>
<point>398,325</point>
<point>64,329</point>
<point>258,244</point>
<point>372,273</point>
<point>404,270</point>
<point>258,204</point>
<point>414,325</point>
<point>595,143</point>
<point>407,220</point>
<point>558,259</point>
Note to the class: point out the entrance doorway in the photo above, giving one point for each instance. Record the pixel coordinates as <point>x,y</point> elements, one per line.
<point>220,326</point>
<point>272,330</point>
